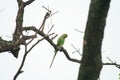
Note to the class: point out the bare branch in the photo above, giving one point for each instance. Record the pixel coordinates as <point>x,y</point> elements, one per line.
<point>28,37</point>
<point>24,58</point>
<point>76,50</point>
<point>44,20</point>
<point>54,36</point>
<point>50,29</point>
<point>112,63</point>
<point>28,2</point>
<point>30,41</point>
<point>51,42</point>
<point>34,45</point>
<point>54,13</point>
<point>25,55</point>
<point>110,60</point>
<point>19,29</point>
<point>38,42</point>
<point>78,30</point>
<point>68,57</point>
<point>19,70</point>
<point>47,9</point>
<point>19,1</point>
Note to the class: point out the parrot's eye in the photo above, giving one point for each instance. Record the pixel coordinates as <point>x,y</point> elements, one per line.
<point>65,36</point>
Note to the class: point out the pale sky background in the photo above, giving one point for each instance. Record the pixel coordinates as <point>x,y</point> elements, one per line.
<point>72,15</point>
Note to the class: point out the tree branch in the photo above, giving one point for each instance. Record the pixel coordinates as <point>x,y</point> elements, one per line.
<point>24,58</point>
<point>28,2</point>
<point>20,39</point>
<point>68,57</point>
<point>51,42</point>
<point>112,63</point>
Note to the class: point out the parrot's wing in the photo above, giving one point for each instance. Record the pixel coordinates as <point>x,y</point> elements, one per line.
<point>60,41</point>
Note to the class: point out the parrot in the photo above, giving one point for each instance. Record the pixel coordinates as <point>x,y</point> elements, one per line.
<point>60,43</point>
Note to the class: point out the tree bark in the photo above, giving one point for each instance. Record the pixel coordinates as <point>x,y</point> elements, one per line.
<point>91,63</point>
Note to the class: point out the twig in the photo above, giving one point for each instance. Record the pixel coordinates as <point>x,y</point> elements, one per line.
<point>34,45</point>
<point>24,57</point>
<point>47,9</point>
<point>47,15</point>
<point>109,59</point>
<point>68,57</point>
<point>50,12</point>
<point>54,36</point>
<point>38,42</point>
<point>76,50</point>
<point>50,29</point>
<point>43,23</point>
<point>112,63</point>
<point>28,2</point>
<point>54,13</point>
<point>18,31</point>
<point>19,70</point>
<point>78,30</point>
<point>52,43</point>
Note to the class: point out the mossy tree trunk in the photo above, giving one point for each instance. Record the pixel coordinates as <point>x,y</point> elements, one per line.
<point>91,63</point>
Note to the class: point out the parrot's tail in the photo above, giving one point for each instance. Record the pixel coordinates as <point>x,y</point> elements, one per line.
<point>53,59</point>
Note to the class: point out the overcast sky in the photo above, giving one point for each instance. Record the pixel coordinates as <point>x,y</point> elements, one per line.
<point>72,15</point>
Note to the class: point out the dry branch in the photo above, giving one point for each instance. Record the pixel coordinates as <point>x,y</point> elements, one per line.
<point>51,42</point>
<point>19,38</point>
<point>112,63</point>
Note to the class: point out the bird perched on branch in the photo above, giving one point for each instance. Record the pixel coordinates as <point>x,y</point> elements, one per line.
<point>60,43</point>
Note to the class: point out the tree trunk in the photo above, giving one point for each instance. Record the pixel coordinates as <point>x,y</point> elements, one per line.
<point>91,63</point>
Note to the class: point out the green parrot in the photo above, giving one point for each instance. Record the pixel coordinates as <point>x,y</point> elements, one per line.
<point>60,43</point>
